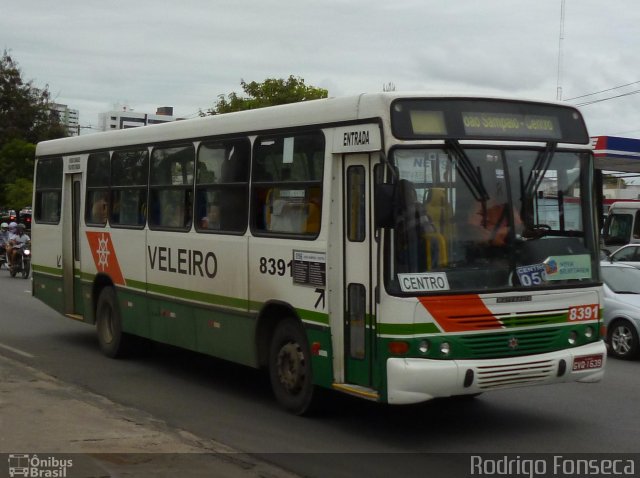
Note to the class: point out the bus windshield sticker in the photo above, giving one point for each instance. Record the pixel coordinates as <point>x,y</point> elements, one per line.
<point>532,275</point>
<point>568,267</point>
<point>309,268</point>
<point>423,282</point>
<point>287,153</point>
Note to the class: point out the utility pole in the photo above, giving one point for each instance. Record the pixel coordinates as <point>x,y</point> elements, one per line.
<point>559,85</point>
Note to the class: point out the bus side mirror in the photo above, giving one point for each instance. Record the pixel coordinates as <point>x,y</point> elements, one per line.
<point>384,205</point>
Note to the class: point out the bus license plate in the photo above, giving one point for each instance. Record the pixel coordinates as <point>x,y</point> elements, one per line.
<point>587,362</point>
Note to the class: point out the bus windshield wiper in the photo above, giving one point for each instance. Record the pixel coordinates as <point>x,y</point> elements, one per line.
<point>470,176</point>
<point>539,169</point>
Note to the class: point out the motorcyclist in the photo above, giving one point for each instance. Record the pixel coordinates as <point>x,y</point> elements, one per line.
<point>16,242</point>
<point>4,234</point>
<point>4,240</point>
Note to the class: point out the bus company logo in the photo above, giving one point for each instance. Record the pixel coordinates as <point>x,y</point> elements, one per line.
<point>21,464</point>
<point>104,255</point>
<point>513,343</point>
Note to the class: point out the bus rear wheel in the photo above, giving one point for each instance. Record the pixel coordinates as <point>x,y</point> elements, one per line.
<point>113,342</point>
<point>290,367</point>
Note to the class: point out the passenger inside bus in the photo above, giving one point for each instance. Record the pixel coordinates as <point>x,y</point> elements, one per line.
<point>212,219</point>
<point>100,209</point>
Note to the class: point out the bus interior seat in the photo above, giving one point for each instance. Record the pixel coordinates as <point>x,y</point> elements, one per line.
<point>313,211</point>
<point>285,214</point>
<point>439,211</point>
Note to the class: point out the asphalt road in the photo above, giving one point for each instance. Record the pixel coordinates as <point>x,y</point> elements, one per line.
<point>233,404</point>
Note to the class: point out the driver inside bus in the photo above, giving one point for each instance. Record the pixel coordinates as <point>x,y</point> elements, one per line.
<point>488,223</point>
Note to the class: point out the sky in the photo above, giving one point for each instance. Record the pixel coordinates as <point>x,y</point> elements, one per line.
<point>95,56</point>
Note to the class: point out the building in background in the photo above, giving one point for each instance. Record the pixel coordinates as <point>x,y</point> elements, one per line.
<point>68,117</point>
<point>124,117</point>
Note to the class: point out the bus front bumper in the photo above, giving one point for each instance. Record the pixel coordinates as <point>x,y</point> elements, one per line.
<point>414,380</point>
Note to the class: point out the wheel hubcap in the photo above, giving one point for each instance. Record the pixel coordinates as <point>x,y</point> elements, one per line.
<point>291,367</point>
<point>621,340</point>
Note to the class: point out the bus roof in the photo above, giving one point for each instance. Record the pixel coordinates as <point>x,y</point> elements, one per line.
<point>315,112</point>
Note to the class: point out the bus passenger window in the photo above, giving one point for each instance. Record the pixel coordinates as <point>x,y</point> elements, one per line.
<point>222,185</point>
<point>170,189</point>
<point>287,184</point>
<point>129,173</point>
<point>48,188</point>
<point>97,199</point>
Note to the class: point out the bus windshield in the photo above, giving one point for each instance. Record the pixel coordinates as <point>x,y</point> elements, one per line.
<point>498,218</point>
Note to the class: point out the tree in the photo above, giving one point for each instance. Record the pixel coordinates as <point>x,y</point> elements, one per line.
<point>25,111</point>
<point>270,92</point>
<point>19,193</point>
<point>25,119</point>
<point>17,158</point>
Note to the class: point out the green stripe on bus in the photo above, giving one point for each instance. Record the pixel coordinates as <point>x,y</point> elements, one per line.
<point>47,270</point>
<point>313,316</point>
<point>531,320</point>
<point>198,296</point>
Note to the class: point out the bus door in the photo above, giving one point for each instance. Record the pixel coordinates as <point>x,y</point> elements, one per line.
<point>71,245</point>
<point>359,321</point>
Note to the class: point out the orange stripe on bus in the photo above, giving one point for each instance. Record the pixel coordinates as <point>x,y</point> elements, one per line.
<point>460,313</point>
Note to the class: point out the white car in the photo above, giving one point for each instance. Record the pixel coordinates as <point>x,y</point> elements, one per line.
<point>629,254</point>
<point>621,308</point>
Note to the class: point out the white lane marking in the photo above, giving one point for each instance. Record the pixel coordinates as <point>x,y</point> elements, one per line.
<point>17,351</point>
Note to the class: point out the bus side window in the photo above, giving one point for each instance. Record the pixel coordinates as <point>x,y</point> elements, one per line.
<point>97,199</point>
<point>287,184</point>
<point>222,186</point>
<point>48,191</point>
<point>129,175</point>
<point>170,189</point>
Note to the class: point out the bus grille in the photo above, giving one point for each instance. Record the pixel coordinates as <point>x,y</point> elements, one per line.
<point>502,376</point>
<point>488,321</point>
<point>509,344</point>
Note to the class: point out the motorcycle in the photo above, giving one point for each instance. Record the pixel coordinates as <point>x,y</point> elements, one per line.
<point>22,263</point>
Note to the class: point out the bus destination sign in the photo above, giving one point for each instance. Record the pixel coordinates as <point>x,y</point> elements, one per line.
<point>505,125</point>
<point>490,119</point>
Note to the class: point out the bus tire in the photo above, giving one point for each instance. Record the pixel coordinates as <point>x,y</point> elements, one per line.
<point>290,367</point>
<point>113,342</point>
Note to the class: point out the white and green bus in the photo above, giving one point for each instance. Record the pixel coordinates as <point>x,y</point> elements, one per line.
<point>396,247</point>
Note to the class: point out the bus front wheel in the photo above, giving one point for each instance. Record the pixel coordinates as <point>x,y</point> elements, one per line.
<point>290,367</point>
<point>113,342</point>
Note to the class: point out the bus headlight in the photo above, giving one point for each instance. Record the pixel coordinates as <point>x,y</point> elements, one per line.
<point>424,346</point>
<point>573,337</point>
<point>588,332</point>
<point>445,348</point>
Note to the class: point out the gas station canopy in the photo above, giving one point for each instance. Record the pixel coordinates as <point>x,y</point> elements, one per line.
<point>616,154</point>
